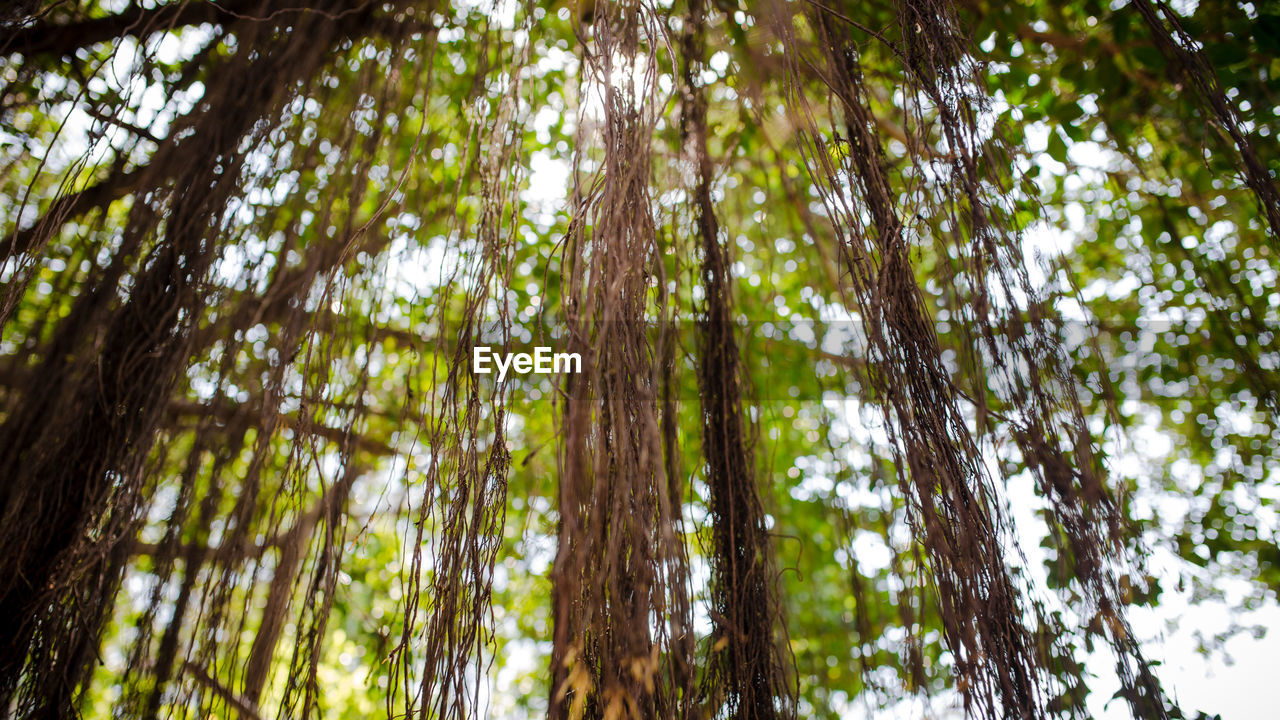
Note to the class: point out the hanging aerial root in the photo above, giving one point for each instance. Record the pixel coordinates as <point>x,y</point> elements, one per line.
<point>616,605</point>
<point>1022,360</point>
<point>1186,56</point>
<point>746,675</point>
<point>951,502</point>
<point>470,459</point>
<point>74,454</point>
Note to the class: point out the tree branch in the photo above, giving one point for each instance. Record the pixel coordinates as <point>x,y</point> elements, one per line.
<point>64,39</point>
<point>228,411</point>
<point>117,185</point>
<point>247,711</point>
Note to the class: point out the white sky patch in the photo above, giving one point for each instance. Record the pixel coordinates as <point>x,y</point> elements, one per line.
<point>548,183</point>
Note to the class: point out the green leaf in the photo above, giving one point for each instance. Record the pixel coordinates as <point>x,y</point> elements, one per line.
<point>1057,147</point>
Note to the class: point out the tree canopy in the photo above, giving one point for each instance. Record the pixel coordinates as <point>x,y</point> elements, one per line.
<point>923,340</point>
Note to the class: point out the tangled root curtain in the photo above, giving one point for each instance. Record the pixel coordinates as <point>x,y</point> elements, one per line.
<point>247,469</point>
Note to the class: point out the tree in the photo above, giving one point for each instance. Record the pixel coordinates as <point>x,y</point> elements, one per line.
<point>801,247</point>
